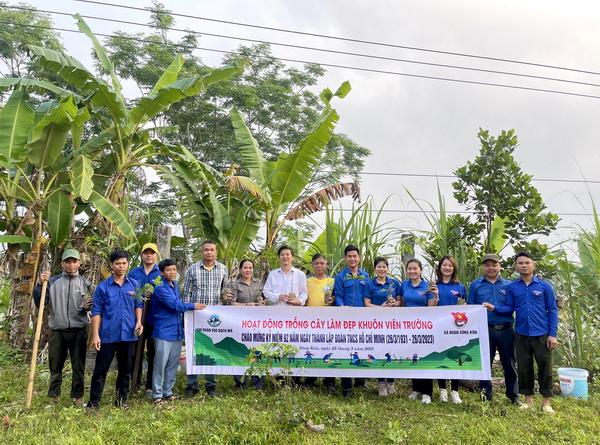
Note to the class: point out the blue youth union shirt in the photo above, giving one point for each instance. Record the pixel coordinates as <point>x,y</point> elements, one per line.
<point>415,296</point>
<point>378,292</point>
<point>450,292</point>
<point>116,305</point>
<point>349,289</point>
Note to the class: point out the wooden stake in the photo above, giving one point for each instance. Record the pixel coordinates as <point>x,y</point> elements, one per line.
<point>36,342</point>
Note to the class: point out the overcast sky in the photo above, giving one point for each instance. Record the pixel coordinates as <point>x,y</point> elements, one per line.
<point>424,126</point>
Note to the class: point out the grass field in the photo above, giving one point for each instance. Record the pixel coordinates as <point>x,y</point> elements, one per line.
<point>280,417</point>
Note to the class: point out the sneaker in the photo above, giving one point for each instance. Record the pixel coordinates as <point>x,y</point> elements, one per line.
<point>415,395</point>
<point>91,407</point>
<point>363,386</point>
<point>524,406</point>
<point>159,403</point>
<point>347,393</point>
<point>443,395</point>
<point>171,398</point>
<point>212,392</point>
<point>190,391</point>
<point>383,390</point>
<point>547,409</point>
<point>516,402</point>
<point>455,398</point>
<point>390,389</point>
<point>78,401</point>
<point>330,389</point>
<point>426,399</point>
<point>148,393</point>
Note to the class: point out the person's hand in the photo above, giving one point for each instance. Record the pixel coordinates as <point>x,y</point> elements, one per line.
<point>295,302</point>
<point>96,342</point>
<point>283,297</point>
<point>148,294</point>
<point>488,306</point>
<point>45,276</point>
<point>433,289</point>
<point>139,329</point>
<point>199,306</point>
<point>551,343</point>
<point>87,302</point>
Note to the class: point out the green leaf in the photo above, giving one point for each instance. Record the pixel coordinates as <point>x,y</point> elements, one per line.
<point>113,214</point>
<point>81,180</point>
<point>38,86</point>
<point>49,135</point>
<point>343,90</point>
<point>293,171</point>
<point>15,120</point>
<point>82,116</point>
<point>102,56</point>
<point>60,216</point>
<point>170,74</point>
<point>252,156</point>
<point>102,95</point>
<point>15,239</point>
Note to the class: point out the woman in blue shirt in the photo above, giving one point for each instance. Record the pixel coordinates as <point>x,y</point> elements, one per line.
<point>416,292</point>
<point>450,290</point>
<point>382,291</point>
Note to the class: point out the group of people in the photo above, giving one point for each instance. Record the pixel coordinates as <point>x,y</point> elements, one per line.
<point>117,317</point>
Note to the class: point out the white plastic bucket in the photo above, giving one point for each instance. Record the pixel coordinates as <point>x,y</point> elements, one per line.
<point>573,382</point>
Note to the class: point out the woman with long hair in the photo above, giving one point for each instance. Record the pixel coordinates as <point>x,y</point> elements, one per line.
<point>450,290</point>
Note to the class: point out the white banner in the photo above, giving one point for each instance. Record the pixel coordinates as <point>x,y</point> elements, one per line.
<point>433,342</point>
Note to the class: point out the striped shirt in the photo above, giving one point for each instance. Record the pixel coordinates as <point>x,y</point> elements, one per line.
<point>203,285</point>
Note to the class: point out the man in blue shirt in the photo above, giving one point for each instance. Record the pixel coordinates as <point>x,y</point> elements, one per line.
<point>348,290</point>
<point>168,331</point>
<point>491,288</point>
<point>534,301</point>
<point>116,321</point>
<point>146,274</point>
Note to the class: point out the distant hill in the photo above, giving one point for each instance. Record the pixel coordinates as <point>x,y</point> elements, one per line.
<point>441,356</point>
<point>233,347</point>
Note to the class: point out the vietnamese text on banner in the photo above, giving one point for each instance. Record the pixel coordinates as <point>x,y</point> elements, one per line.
<point>431,342</point>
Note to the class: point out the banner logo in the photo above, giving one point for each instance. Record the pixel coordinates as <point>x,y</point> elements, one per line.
<point>460,319</point>
<point>214,320</point>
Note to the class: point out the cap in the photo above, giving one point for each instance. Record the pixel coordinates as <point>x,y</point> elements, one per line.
<point>70,253</point>
<point>490,256</point>
<point>150,246</point>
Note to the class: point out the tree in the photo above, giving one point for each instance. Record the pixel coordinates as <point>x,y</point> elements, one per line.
<point>23,26</point>
<point>495,187</point>
<point>276,101</point>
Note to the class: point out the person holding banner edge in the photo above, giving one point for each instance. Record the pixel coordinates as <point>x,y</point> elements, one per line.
<point>450,292</point>
<point>167,334</point>
<point>383,291</point>
<point>416,292</point>
<point>349,291</point>
<point>204,283</point>
<point>491,288</point>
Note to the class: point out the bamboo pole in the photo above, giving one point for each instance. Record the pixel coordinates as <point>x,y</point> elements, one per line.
<point>36,342</point>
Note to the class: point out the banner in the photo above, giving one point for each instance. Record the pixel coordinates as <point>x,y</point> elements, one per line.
<point>431,342</point>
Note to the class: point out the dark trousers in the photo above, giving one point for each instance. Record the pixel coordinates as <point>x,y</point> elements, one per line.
<point>453,384</point>
<point>424,386</point>
<point>241,381</point>
<point>529,348</point>
<point>504,342</point>
<point>150,354</point>
<point>61,342</point>
<point>347,382</point>
<point>327,381</point>
<point>124,351</point>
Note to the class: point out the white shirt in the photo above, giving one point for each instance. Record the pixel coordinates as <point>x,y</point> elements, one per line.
<point>279,283</point>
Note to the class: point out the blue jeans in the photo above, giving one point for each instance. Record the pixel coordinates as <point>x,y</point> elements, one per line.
<point>166,362</point>
<point>504,342</point>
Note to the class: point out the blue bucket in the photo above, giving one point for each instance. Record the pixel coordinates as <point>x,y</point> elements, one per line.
<point>573,382</point>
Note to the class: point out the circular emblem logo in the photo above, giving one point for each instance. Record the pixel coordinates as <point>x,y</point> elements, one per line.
<point>214,320</point>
